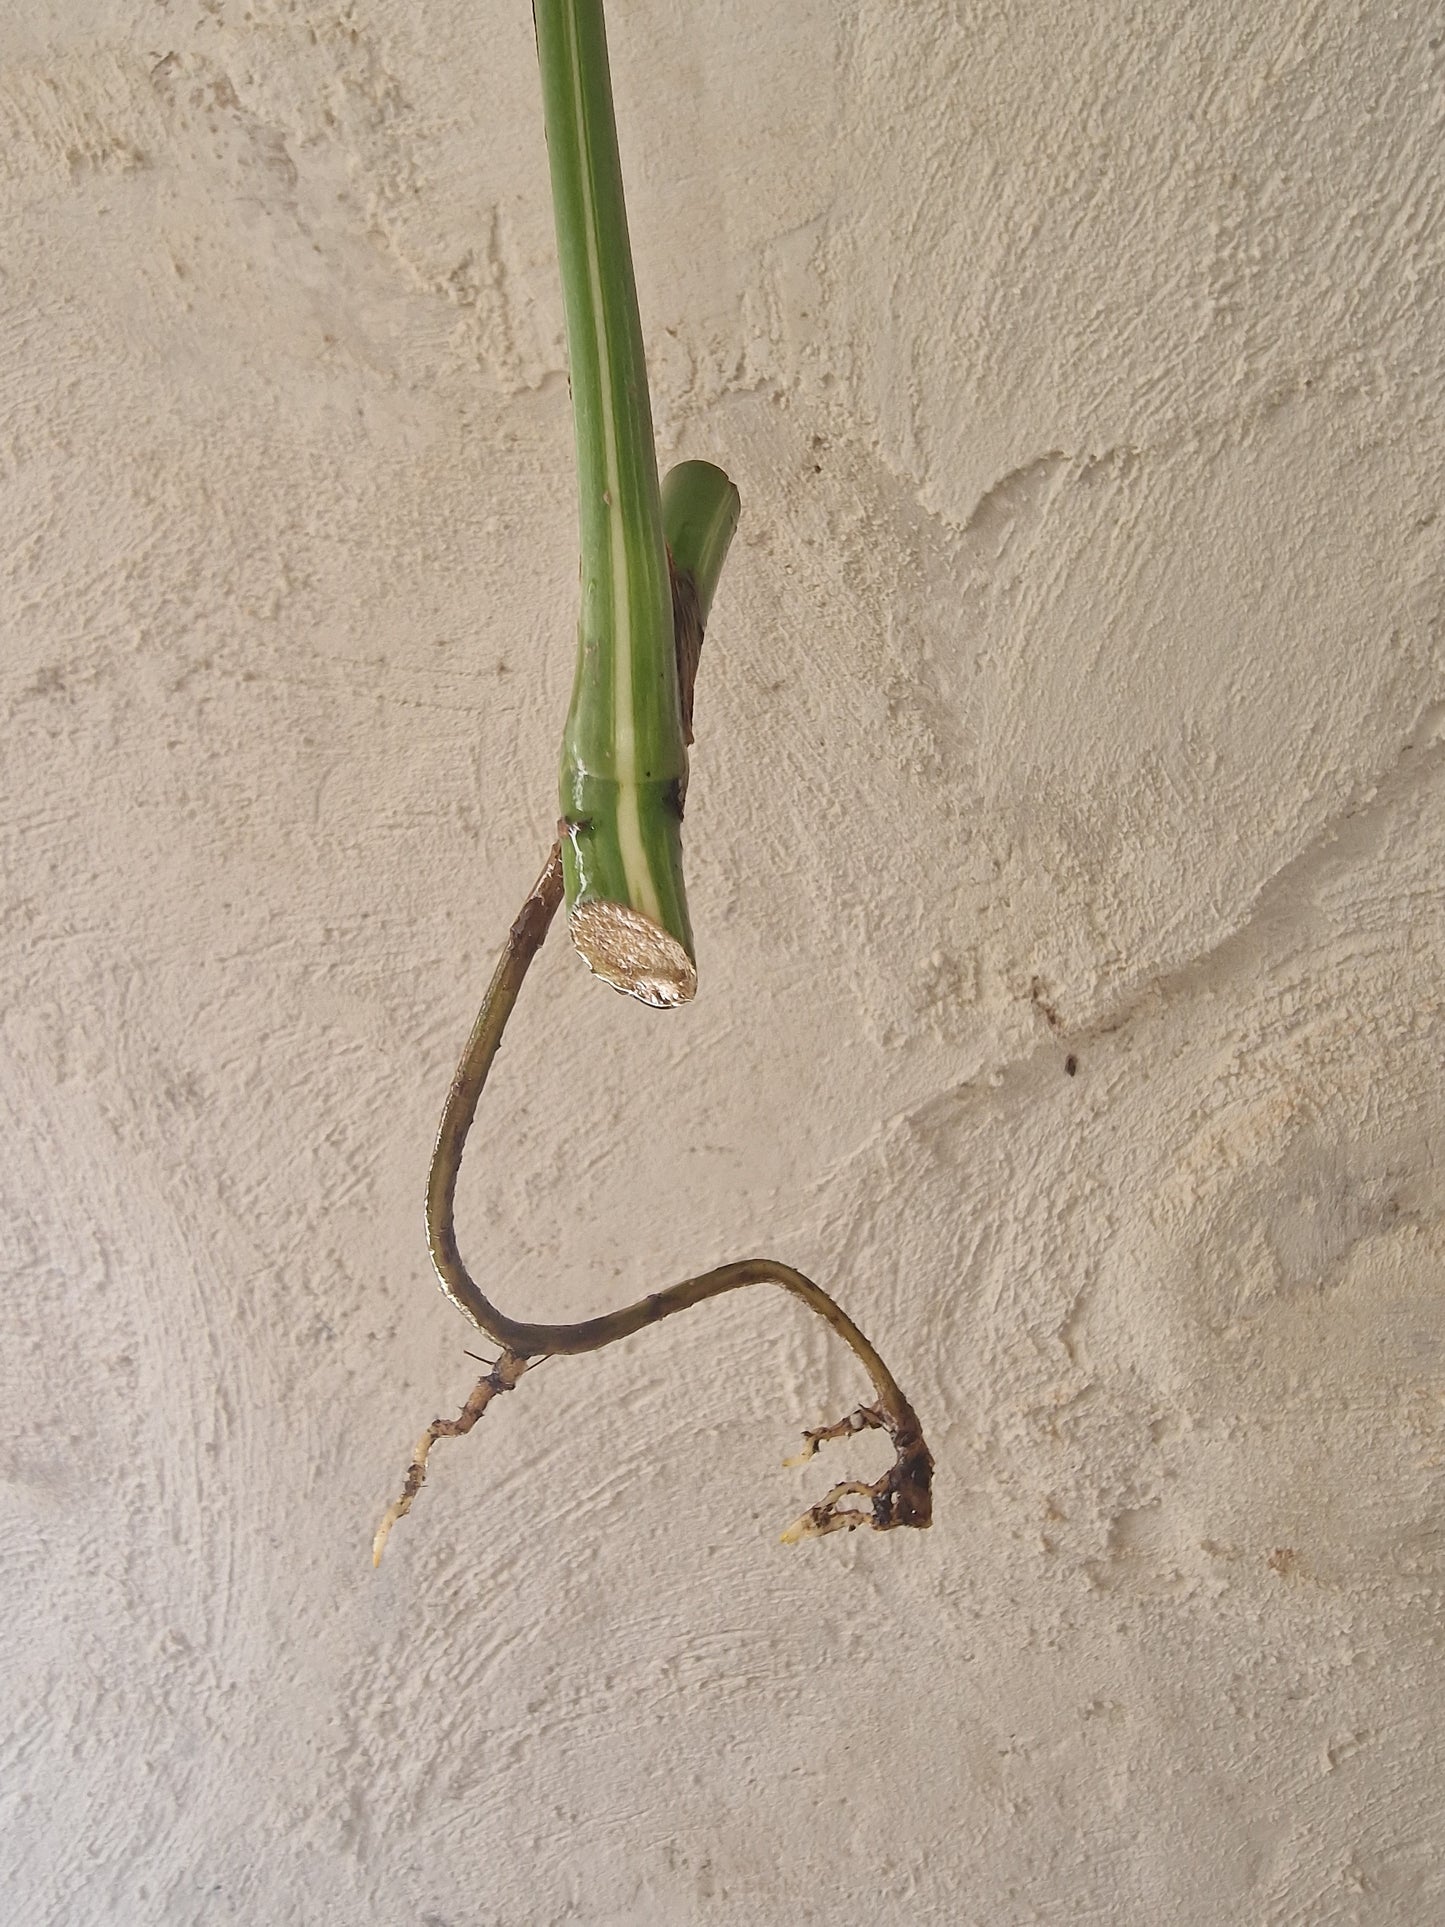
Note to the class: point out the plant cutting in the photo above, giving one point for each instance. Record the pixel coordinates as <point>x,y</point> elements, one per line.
<point>651,559</point>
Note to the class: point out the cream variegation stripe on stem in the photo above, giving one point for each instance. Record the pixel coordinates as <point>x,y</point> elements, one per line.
<point>624,759</point>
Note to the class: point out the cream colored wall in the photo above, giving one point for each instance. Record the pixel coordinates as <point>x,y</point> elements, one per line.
<point>1076,687</point>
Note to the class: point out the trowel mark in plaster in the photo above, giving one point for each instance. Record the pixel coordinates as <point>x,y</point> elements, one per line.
<point>83,114</point>
<point>199,97</point>
<point>1028,490</point>
<point>1025,496</point>
<point>906,1145</point>
<point>925,675</point>
<point>1149,1554</point>
<point>483,287</point>
<point>1350,836</point>
<point>782,311</point>
<point>365,133</point>
<point>1022,491</point>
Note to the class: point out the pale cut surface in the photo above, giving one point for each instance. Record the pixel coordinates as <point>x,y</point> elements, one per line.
<point>632,953</point>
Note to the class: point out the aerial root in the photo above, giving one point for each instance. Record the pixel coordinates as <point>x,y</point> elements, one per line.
<point>866,1418</point>
<point>902,1497</point>
<point>500,1377</point>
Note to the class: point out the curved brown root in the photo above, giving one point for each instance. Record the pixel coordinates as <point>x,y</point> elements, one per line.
<point>501,1377</point>
<point>902,1497</point>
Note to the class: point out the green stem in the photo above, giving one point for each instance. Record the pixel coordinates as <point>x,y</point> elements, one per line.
<point>701,510</point>
<point>699,519</point>
<point>624,754</point>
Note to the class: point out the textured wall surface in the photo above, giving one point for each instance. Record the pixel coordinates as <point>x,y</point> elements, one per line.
<point>1075,690</point>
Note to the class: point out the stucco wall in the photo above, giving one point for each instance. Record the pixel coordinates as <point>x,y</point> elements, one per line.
<point>1076,688</point>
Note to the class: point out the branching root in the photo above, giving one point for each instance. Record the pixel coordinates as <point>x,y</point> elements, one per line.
<point>867,1418</point>
<point>501,1377</point>
<point>902,1497</point>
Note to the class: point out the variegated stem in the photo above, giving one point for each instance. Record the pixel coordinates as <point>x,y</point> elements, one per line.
<point>624,758</point>
<point>700,507</point>
<point>701,511</point>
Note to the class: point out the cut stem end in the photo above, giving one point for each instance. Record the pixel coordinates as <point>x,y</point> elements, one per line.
<point>632,953</point>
